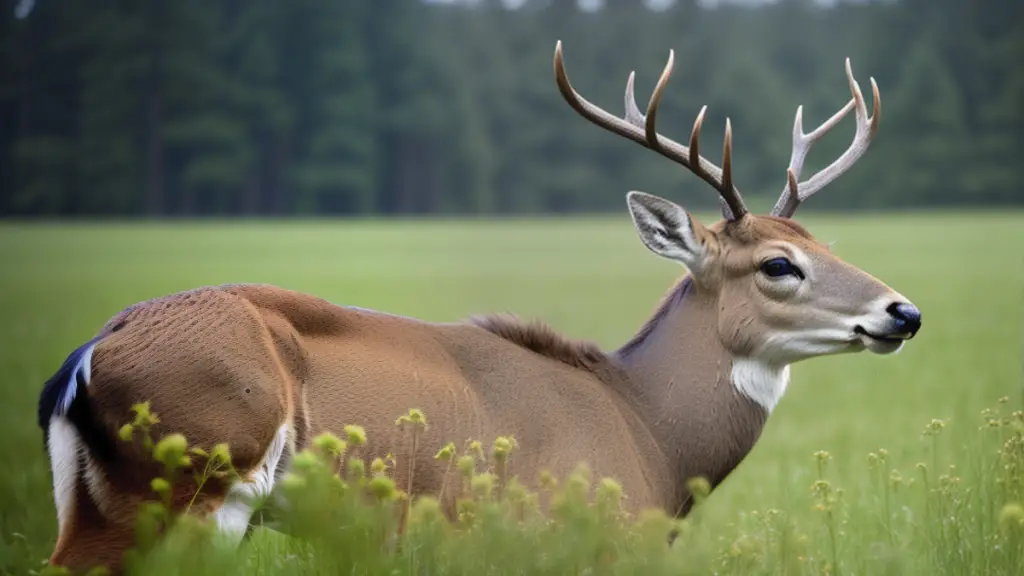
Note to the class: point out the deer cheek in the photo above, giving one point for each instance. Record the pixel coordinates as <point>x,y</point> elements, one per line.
<point>739,329</point>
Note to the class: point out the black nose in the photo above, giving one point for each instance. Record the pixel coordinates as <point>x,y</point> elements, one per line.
<point>907,317</point>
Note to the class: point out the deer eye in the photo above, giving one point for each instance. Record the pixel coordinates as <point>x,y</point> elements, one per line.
<point>778,267</point>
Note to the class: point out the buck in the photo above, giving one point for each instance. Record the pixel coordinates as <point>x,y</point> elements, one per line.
<point>265,369</point>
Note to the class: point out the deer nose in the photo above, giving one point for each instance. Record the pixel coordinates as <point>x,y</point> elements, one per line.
<point>906,317</point>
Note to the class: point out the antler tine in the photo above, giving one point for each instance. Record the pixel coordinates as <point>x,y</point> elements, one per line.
<point>727,156</point>
<point>640,128</point>
<point>592,112</point>
<point>795,193</point>
<point>727,211</point>
<point>633,114</point>
<point>651,120</point>
<point>695,136</point>
<point>720,178</point>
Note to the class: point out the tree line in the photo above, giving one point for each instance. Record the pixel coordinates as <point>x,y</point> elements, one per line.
<point>263,107</point>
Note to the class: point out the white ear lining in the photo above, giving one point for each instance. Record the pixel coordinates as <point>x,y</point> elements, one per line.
<point>665,228</point>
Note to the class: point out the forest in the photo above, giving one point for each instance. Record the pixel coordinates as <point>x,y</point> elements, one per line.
<point>184,108</point>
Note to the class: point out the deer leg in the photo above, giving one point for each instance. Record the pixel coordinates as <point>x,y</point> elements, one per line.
<point>233,515</point>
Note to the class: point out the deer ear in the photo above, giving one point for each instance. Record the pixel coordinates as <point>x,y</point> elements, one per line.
<point>668,230</point>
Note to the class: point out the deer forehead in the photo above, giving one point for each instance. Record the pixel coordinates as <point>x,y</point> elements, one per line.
<point>743,245</point>
<point>756,228</point>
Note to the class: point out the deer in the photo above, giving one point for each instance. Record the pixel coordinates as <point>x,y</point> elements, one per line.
<point>265,369</point>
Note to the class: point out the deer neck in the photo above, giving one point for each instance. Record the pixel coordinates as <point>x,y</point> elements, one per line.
<point>704,407</point>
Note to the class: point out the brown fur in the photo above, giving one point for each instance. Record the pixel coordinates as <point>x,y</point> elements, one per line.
<point>668,302</point>
<point>686,396</point>
<point>234,363</point>
<point>538,337</point>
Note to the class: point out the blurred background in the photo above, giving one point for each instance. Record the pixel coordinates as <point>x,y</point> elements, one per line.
<point>181,108</point>
<point>442,117</point>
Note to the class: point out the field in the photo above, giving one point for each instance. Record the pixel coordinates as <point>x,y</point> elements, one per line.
<point>590,278</point>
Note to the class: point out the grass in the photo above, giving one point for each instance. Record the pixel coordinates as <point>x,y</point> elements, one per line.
<point>833,483</point>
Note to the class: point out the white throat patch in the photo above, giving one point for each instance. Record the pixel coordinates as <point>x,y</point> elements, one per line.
<point>761,382</point>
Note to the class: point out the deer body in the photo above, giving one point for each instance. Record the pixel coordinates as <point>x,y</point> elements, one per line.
<point>266,369</point>
<point>310,366</point>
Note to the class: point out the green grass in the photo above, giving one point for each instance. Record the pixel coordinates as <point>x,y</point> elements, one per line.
<point>590,278</point>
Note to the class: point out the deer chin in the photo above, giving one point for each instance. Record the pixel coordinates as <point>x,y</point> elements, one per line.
<point>789,347</point>
<point>879,344</point>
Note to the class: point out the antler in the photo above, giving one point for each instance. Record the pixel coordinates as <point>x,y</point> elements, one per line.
<point>794,194</point>
<point>641,129</point>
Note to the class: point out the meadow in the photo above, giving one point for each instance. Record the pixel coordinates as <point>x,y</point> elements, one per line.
<point>882,431</point>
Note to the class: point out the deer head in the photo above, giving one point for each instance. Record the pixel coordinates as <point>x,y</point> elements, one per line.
<point>782,295</point>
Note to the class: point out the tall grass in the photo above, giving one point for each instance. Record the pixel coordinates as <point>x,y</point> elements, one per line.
<point>590,278</point>
<point>949,512</point>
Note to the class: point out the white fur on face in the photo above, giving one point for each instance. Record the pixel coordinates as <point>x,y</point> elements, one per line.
<point>842,336</point>
<point>824,313</point>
